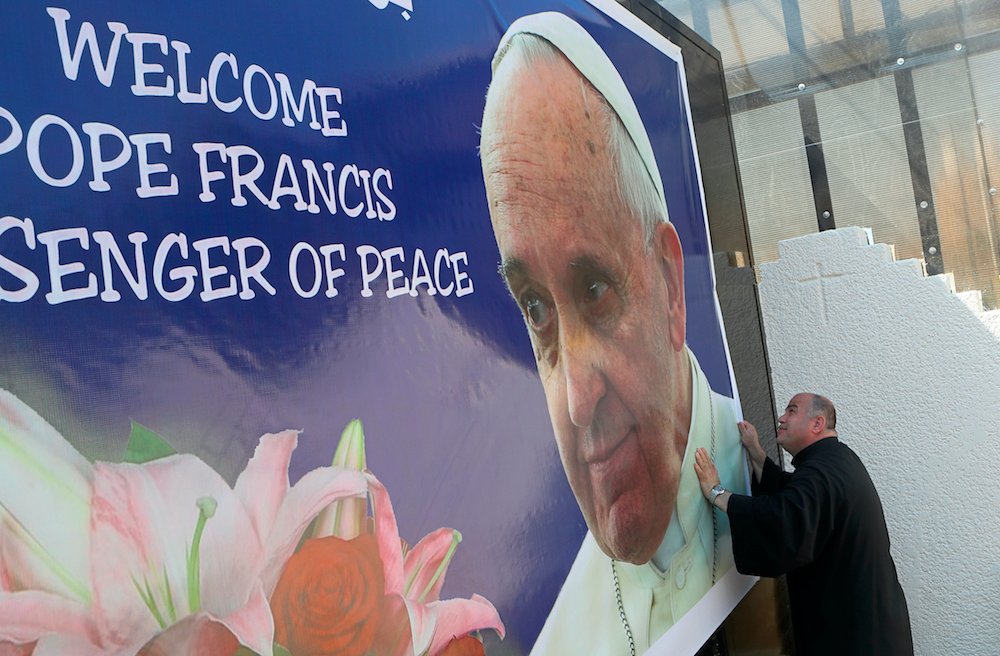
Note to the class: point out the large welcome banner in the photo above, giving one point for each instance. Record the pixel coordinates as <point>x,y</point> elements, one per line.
<point>249,301</point>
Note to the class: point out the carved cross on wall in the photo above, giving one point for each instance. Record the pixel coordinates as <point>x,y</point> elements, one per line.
<point>821,278</point>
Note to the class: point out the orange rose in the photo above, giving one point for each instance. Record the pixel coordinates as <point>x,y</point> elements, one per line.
<point>465,646</point>
<point>330,597</point>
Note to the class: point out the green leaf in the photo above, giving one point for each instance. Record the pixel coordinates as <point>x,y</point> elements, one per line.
<point>144,445</point>
<point>279,650</point>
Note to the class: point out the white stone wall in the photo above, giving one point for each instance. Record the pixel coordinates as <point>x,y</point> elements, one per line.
<point>915,376</point>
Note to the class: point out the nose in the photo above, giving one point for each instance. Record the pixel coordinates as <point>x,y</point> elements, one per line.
<point>583,370</point>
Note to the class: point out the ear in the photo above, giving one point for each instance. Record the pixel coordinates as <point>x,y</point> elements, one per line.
<point>667,249</point>
<point>819,424</point>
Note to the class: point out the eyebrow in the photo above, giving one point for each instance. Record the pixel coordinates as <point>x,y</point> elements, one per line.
<point>512,268</point>
<point>586,263</point>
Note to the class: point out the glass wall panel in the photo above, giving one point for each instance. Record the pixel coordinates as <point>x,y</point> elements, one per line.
<point>867,16</point>
<point>958,176</point>
<point>849,66</point>
<point>821,22</point>
<point>746,32</point>
<point>916,8</point>
<point>978,17</point>
<point>986,98</point>
<point>866,163</point>
<point>986,92</point>
<point>775,176</point>
<point>681,10</point>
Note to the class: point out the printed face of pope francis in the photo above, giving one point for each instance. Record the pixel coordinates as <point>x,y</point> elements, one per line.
<point>603,306</point>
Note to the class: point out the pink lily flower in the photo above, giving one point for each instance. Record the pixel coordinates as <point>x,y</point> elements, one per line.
<point>415,578</point>
<point>118,558</point>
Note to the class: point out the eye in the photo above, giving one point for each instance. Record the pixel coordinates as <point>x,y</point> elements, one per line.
<point>596,290</point>
<point>536,312</point>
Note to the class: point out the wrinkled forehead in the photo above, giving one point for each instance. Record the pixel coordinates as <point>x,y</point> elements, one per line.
<point>799,402</point>
<point>544,105</point>
<point>547,164</point>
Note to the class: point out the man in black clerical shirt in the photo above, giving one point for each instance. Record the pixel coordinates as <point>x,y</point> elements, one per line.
<point>821,525</point>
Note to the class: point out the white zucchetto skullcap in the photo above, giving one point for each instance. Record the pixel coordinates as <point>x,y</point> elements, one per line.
<point>569,38</point>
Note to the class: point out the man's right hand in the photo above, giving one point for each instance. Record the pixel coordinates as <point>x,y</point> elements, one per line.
<point>751,442</point>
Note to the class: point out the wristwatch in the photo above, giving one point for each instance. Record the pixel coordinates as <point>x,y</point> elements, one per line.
<point>715,492</point>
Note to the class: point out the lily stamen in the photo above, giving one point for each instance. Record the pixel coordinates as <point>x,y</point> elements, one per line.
<point>456,538</point>
<point>149,599</point>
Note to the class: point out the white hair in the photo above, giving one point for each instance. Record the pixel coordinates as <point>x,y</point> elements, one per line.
<point>635,187</point>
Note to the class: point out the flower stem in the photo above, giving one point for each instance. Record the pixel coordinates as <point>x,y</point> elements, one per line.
<point>206,509</point>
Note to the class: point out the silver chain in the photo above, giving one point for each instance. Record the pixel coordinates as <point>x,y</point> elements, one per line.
<point>621,610</point>
<point>715,555</point>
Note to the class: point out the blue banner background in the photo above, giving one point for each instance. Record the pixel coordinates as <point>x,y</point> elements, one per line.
<point>446,387</point>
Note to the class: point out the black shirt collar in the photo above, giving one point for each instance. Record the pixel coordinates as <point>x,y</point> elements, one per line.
<point>813,449</point>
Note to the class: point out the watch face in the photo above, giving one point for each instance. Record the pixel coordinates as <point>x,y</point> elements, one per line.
<point>718,489</point>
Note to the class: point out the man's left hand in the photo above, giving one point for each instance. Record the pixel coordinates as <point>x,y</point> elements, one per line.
<point>708,475</point>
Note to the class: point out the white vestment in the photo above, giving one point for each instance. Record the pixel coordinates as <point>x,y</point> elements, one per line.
<point>585,618</point>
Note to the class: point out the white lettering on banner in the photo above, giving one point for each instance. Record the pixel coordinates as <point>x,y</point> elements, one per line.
<point>12,140</point>
<point>87,38</point>
<point>293,270</point>
<point>172,267</point>
<point>354,190</point>
<point>160,68</point>
<point>152,77</point>
<point>70,277</point>
<point>72,273</point>
<point>23,274</point>
<point>146,169</point>
<point>144,68</point>
<point>65,140</point>
<point>100,165</point>
<point>186,273</point>
<point>406,5</point>
<point>53,239</point>
<point>326,270</point>
<point>253,270</point>
<point>184,94</point>
<point>305,99</point>
<point>449,276</point>
<point>109,250</point>
<point>35,157</point>
<point>209,291</point>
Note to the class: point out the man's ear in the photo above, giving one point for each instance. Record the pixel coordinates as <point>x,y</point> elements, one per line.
<point>667,248</point>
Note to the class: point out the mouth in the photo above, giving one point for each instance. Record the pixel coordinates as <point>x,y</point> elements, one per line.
<point>601,452</point>
<point>611,469</point>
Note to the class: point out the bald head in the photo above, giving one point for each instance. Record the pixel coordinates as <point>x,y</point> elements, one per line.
<point>820,406</point>
<point>531,63</point>
<point>807,419</point>
<point>543,121</point>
